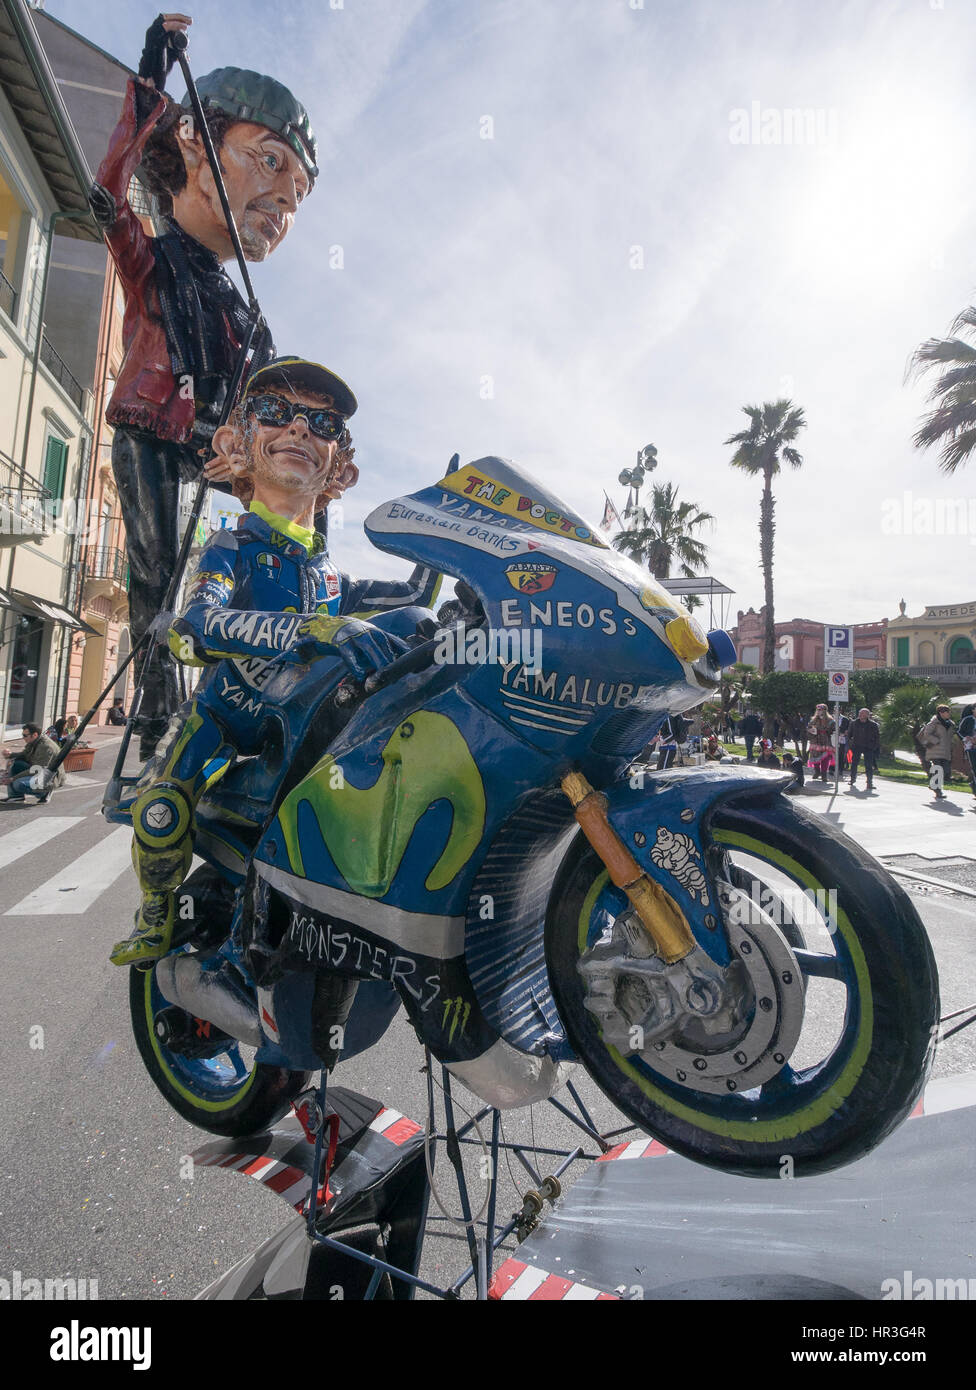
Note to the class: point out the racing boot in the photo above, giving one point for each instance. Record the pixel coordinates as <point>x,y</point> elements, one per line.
<point>153,933</point>
<point>162,851</point>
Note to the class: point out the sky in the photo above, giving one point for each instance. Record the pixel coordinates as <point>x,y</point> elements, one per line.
<point>559,230</point>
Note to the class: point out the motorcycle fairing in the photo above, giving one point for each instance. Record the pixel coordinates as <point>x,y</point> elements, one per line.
<point>438,527</point>
<point>662,818</point>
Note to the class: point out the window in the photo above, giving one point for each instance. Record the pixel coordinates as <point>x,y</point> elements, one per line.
<point>14,231</point>
<point>55,466</point>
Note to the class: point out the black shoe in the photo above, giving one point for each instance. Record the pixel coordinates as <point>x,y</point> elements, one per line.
<point>42,798</point>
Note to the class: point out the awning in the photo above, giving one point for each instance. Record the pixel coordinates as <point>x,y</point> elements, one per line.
<point>50,612</point>
<point>5,600</point>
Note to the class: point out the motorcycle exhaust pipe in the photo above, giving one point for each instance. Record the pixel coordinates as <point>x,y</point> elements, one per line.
<point>661,916</point>
<point>211,995</point>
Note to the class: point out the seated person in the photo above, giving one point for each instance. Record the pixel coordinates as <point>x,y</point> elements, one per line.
<point>767,758</point>
<point>117,714</point>
<point>289,452</point>
<point>39,751</point>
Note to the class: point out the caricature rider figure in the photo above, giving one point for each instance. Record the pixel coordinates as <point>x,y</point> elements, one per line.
<point>288,448</point>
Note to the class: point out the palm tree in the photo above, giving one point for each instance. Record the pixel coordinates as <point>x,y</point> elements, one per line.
<point>663,534</point>
<point>953,421</point>
<point>760,449</point>
<point>904,711</point>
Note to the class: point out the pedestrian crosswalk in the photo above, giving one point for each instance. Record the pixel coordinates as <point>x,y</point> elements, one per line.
<point>16,843</point>
<point>81,882</point>
<point>59,850</point>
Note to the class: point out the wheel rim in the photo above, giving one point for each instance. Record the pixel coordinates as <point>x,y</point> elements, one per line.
<point>797,1099</point>
<point>212,1084</point>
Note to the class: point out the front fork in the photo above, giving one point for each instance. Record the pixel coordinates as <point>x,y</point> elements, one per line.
<point>659,914</point>
<point>653,970</point>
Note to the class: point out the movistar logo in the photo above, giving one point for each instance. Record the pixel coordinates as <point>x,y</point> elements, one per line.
<point>367,829</point>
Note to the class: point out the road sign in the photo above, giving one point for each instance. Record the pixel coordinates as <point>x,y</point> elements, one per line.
<point>839,686</point>
<point>838,649</point>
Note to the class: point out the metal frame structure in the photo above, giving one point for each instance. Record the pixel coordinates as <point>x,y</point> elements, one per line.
<point>483,1234</point>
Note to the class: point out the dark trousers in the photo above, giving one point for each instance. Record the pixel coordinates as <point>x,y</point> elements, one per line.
<point>869,756</point>
<point>750,740</point>
<point>147,474</point>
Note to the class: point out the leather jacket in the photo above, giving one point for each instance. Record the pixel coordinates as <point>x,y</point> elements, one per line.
<point>146,396</point>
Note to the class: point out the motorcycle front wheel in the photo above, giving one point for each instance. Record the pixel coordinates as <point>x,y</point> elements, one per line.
<point>866,1013</point>
<point>228,1094</point>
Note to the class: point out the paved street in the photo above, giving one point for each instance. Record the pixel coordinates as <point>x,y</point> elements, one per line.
<point>90,1154</point>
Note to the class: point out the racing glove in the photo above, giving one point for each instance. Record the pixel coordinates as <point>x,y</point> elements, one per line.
<point>364,647</point>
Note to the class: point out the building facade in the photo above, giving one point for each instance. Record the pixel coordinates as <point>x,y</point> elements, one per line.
<point>800,642</point>
<point>46,412</point>
<point>92,84</point>
<point>939,644</point>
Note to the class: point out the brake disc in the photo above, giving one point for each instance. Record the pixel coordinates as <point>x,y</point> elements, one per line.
<point>758,1026</point>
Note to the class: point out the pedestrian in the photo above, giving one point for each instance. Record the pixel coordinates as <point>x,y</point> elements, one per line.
<point>936,739</point>
<point>794,765</point>
<point>864,739</point>
<point>967,732</point>
<point>751,727</point>
<point>843,725</point>
<point>668,738</point>
<point>117,714</point>
<point>25,773</point>
<point>730,726</point>
<point>821,730</point>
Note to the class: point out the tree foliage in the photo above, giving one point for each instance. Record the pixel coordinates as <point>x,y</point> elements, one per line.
<point>952,422</point>
<point>904,711</point>
<point>663,535</point>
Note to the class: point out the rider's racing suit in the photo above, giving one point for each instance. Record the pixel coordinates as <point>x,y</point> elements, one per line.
<point>265,590</point>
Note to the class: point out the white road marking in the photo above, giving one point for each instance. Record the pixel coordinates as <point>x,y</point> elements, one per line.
<point>75,888</point>
<point>35,832</point>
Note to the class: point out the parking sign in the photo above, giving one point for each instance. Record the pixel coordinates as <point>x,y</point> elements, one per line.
<point>838,649</point>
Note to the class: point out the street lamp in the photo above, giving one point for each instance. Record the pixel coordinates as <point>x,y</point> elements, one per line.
<point>633,478</point>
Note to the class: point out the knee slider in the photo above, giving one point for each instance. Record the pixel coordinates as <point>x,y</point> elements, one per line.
<point>162,817</point>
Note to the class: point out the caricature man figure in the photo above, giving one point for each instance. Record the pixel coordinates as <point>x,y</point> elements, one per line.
<point>289,450</point>
<point>184,319</point>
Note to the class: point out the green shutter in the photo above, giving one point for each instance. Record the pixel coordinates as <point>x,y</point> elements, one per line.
<point>901,651</point>
<point>55,466</point>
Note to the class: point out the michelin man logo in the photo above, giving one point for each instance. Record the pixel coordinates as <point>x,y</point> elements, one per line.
<point>677,853</point>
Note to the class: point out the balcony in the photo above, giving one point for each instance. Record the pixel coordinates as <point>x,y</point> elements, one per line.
<point>959,674</point>
<point>8,296</point>
<point>106,572</point>
<point>24,515</point>
<point>59,370</point>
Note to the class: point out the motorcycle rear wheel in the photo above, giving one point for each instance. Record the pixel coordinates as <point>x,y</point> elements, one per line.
<point>226,1094</point>
<point>877,973</point>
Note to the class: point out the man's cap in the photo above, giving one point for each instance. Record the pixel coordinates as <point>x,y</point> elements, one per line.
<point>250,96</point>
<point>296,373</point>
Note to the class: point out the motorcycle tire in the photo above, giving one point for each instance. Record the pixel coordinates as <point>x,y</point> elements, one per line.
<point>878,978</point>
<point>222,1094</point>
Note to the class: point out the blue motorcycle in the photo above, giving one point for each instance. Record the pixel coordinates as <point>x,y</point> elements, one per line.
<point>473,837</point>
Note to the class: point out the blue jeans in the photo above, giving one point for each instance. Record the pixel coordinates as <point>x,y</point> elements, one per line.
<point>20,785</point>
